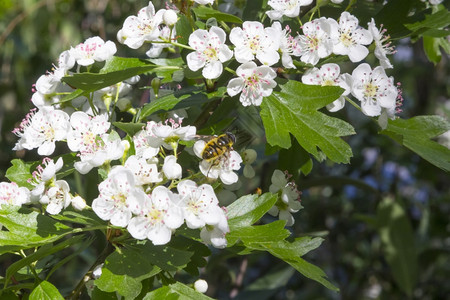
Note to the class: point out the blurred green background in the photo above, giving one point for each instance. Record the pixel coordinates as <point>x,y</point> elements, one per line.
<point>342,202</point>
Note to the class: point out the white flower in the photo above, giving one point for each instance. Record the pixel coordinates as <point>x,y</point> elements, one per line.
<point>88,136</point>
<point>253,40</point>
<point>141,28</point>
<point>201,286</point>
<point>118,197</point>
<point>157,217</point>
<point>12,194</point>
<point>92,50</point>
<point>215,234</point>
<point>329,75</point>
<point>210,52</point>
<point>144,173</point>
<point>289,196</point>
<point>56,197</point>
<point>78,203</point>
<point>44,175</point>
<point>374,89</point>
<point>289,8</point>
<point>204,2</point>
<point>254,82</point>
<point>141,145</point>
<point>169,135</point>
<point>86,130</point>
<point>42,129</point>
<point>351,38</point>
<point>108,147</point>
<point>288,45</point>
<point>199,204</point>
<point>171,168</point>
<point>166,33</point>
<point>222,166</point>
<point>382,49</point>
<point>170,17</point>
<point>315,43</point>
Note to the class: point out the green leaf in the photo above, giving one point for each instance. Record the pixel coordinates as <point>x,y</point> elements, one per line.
<point>115,70</point>
<point>184,30</point>
<point>199,250</point>
<point>129,128</point>
<point>268,233</point>
<point>20,172</point>
<point>27,229</point>
<point>45,290</point>
<point>415,134</point>
<point>431,48</point>
<point>398,244</point>
<point>87,217</point>
<point>39,254</point>
<point>248,209</point>
<point>393,15</point>
<point>123,271</point>
<point>291,253</point>
<point>437,20</point>
<point>294,111</point>
<point>204,12</point>
<point>295,159</point>
<point>194,96</point>
<point>174,291</point>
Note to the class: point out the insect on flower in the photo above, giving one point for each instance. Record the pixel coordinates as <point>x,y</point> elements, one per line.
<point>218,147</point>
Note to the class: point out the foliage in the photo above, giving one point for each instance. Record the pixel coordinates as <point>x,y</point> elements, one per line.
<point>295,129</point>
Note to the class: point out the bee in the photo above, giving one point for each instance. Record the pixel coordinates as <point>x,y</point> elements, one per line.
<point>218,147</point>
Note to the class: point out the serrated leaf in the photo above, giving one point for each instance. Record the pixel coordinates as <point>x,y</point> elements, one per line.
<point>204,12</point>
<point>116,69</point>
<point>124,271</point>
<point>291,253</point>
<point>195,96</point>
<point>129,128</point>
<point>184,30</point>
<point>416,133</point>
<point>27,229</point>
<point>437,20</point>
<point>397,238</point>
<point>45,290</point>
<point>20,172</point>
<point>199,250</point>
<point>294,111</point>
<point>248,209</point>
<point>268,233</point>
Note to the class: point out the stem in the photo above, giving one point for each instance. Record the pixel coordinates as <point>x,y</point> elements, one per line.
<point>352,103</point>
<point>100,259</point>
<point>30,266</point>
<point>230,70</point>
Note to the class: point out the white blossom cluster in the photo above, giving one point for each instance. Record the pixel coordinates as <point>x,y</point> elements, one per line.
<point>144,189</point>
<point>260,49</point>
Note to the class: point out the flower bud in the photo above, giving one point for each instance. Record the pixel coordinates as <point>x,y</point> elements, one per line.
<point>170,17</point>
<point>78,203</point>
<point>201,286</point>
<point>249,156</point>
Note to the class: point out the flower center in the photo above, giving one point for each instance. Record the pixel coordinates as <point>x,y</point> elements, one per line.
<point>49,133</point>
<point>210,53</point>
<point>328,82</point>
<point>370,90</point>
<point>253,44</point>
<point>155,216</point>
<point>346,38</point>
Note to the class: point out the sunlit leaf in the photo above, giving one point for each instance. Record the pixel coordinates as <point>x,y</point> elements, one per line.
<point>294,111</point>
